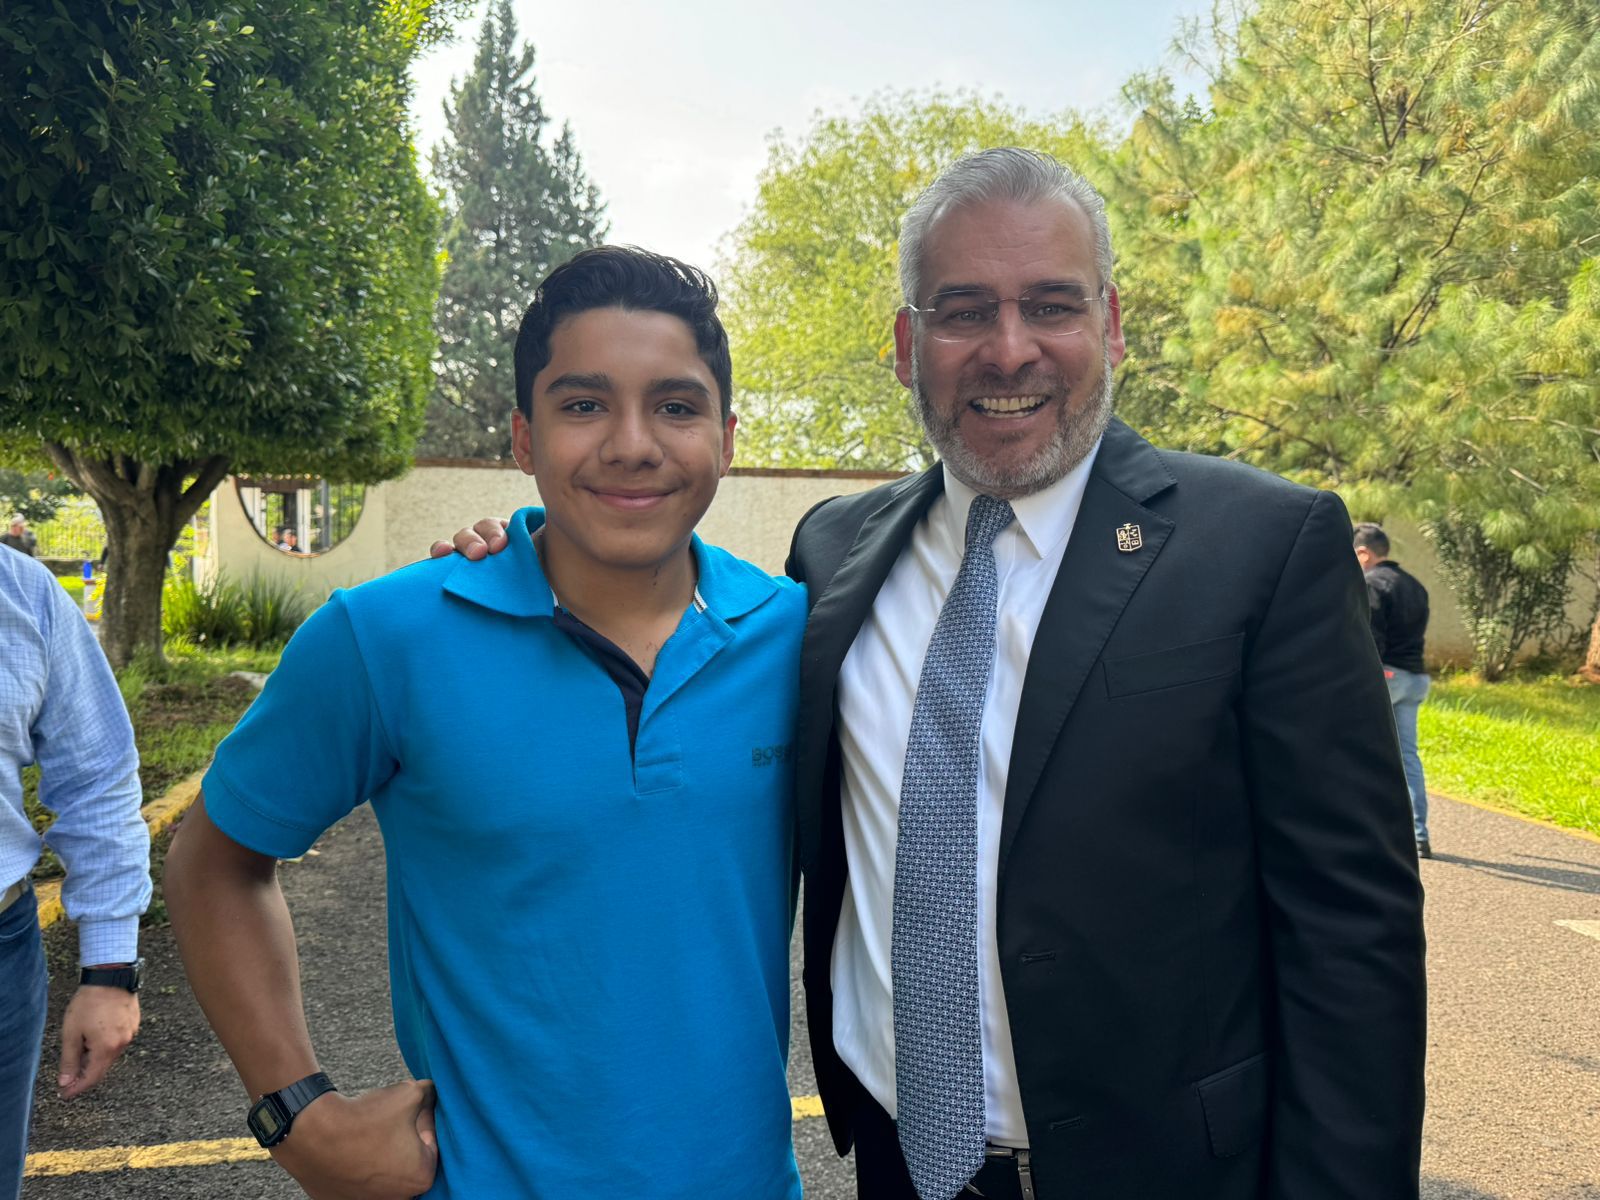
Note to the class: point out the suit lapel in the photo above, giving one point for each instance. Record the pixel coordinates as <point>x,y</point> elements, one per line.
<point>836,617</point>
<point>1092,588</point>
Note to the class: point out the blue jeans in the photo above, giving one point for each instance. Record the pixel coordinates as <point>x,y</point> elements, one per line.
<point>23,981</point>
<point>1406,692</point>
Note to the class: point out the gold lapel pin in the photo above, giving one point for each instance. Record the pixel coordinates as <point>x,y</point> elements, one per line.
<point>1129,538</point>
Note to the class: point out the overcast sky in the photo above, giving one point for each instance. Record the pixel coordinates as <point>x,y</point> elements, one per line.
<point>672,103</point>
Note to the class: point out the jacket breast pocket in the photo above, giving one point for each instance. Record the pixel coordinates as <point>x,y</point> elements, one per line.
<point>1175,666</point>
<point>1235,1104</point>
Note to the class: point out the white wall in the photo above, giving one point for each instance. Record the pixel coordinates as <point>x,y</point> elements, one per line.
<point>753,516</point>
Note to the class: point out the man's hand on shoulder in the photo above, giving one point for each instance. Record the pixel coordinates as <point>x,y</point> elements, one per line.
<point>486,537</point>
<point>95,1030</point>
<point>380,1145</point>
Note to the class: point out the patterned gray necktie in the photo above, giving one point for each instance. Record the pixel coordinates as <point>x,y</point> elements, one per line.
<point>938,1039</point>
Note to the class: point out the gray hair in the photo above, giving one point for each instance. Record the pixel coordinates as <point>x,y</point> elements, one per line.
<point>1006,173</point>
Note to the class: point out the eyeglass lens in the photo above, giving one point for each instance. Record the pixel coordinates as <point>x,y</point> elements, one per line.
<point>1055,311</point>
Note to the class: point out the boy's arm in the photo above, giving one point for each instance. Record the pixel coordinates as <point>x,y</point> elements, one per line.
<point>238,948</point>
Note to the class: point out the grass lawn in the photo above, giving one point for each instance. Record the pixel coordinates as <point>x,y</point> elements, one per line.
<point>180,712</point>
<point>74,586</point>
<point>1528,745</point>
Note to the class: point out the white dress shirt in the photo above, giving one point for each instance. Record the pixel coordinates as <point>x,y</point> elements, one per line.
<point>59,707</point>
<point>877,691</point>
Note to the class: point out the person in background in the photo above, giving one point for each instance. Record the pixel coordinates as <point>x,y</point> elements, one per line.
<point>19,537</point>
<point>60,708</point>
<point>1399,605</point>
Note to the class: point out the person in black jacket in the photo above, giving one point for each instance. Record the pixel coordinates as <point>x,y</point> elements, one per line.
<point>1399,622</point>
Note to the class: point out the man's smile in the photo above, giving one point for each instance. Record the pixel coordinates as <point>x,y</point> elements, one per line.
<point>1008,406</point>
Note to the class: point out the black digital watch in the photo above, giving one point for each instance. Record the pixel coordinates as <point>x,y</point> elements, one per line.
<point>272,1115</point>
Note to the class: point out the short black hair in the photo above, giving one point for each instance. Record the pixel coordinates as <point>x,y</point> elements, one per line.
<point>1370,536</point>
<point>629,278</point>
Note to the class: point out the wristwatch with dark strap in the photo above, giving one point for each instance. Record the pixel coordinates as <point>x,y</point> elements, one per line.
<point>272,1115</point>
<point>125,976</point>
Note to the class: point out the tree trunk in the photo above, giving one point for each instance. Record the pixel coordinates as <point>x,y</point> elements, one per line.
<point>136,568</point>
<point>144,506</point>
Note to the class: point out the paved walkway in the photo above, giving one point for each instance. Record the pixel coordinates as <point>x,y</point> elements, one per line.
<point>1514,1048</point>
<point>1514,1010</point>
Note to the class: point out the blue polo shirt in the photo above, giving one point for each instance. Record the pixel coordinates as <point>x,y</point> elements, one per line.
<point>588,950</point>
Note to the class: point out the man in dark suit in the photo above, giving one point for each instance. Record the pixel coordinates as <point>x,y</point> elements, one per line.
<point>1199,951</point>
<point>1180,954</point>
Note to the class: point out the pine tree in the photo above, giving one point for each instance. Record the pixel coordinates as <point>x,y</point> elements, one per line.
<point>519,208</point>
<point>1388,226</point>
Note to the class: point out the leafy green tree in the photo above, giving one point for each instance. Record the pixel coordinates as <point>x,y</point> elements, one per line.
<point>1149,180</point>
<point>519,208</point>
<point>1388,226</point>
<point>811,280</point>
<point>32,495</point>
<point>216,254</point>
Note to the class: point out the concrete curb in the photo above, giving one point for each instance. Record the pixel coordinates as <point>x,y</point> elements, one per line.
<point>158,815</point>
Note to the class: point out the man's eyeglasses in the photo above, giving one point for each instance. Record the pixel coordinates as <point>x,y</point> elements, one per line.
<point>964,315</point>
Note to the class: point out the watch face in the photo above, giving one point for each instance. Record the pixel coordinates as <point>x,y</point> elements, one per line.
<point>268,1121</point>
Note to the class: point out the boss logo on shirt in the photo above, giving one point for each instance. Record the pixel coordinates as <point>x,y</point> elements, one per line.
<point>767,756</point>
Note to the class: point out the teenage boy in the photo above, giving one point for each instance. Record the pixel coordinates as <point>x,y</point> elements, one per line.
<point>588,933</point>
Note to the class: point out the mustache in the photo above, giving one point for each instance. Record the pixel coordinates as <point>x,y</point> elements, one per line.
<point>1027,381</point>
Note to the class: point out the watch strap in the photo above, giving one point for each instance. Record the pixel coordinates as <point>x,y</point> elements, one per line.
<point>124,977</point>
<point>303,1091</point>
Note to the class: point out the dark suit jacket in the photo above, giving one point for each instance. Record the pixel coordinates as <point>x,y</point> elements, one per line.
<point>1209,916</point>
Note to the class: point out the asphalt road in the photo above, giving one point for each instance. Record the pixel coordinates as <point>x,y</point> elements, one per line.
<point>1514,1047</point>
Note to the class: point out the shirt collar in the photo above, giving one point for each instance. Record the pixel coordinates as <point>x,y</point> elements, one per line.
<point>513,582</point>
<point>1044,518</point>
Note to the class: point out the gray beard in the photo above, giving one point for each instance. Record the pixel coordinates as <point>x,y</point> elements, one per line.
<point>1075,436</point>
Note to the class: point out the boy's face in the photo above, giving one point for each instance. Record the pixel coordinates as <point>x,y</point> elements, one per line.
<point>626,438</point>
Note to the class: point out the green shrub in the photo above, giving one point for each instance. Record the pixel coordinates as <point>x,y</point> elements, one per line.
<point>261,612</point>
<point>209,614</point>
<point>273,609</point>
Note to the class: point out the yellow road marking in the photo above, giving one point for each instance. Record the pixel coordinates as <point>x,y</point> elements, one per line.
<point>48,895</point>
<point>805,1106</point>
<point>158,814</point>
<point>1587,928</point>
<point>117,1158</point>
<point>219,1150</point>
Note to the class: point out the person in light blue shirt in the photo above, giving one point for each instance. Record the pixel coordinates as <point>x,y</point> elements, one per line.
<point>60,708</point>
<point>589,924</point>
